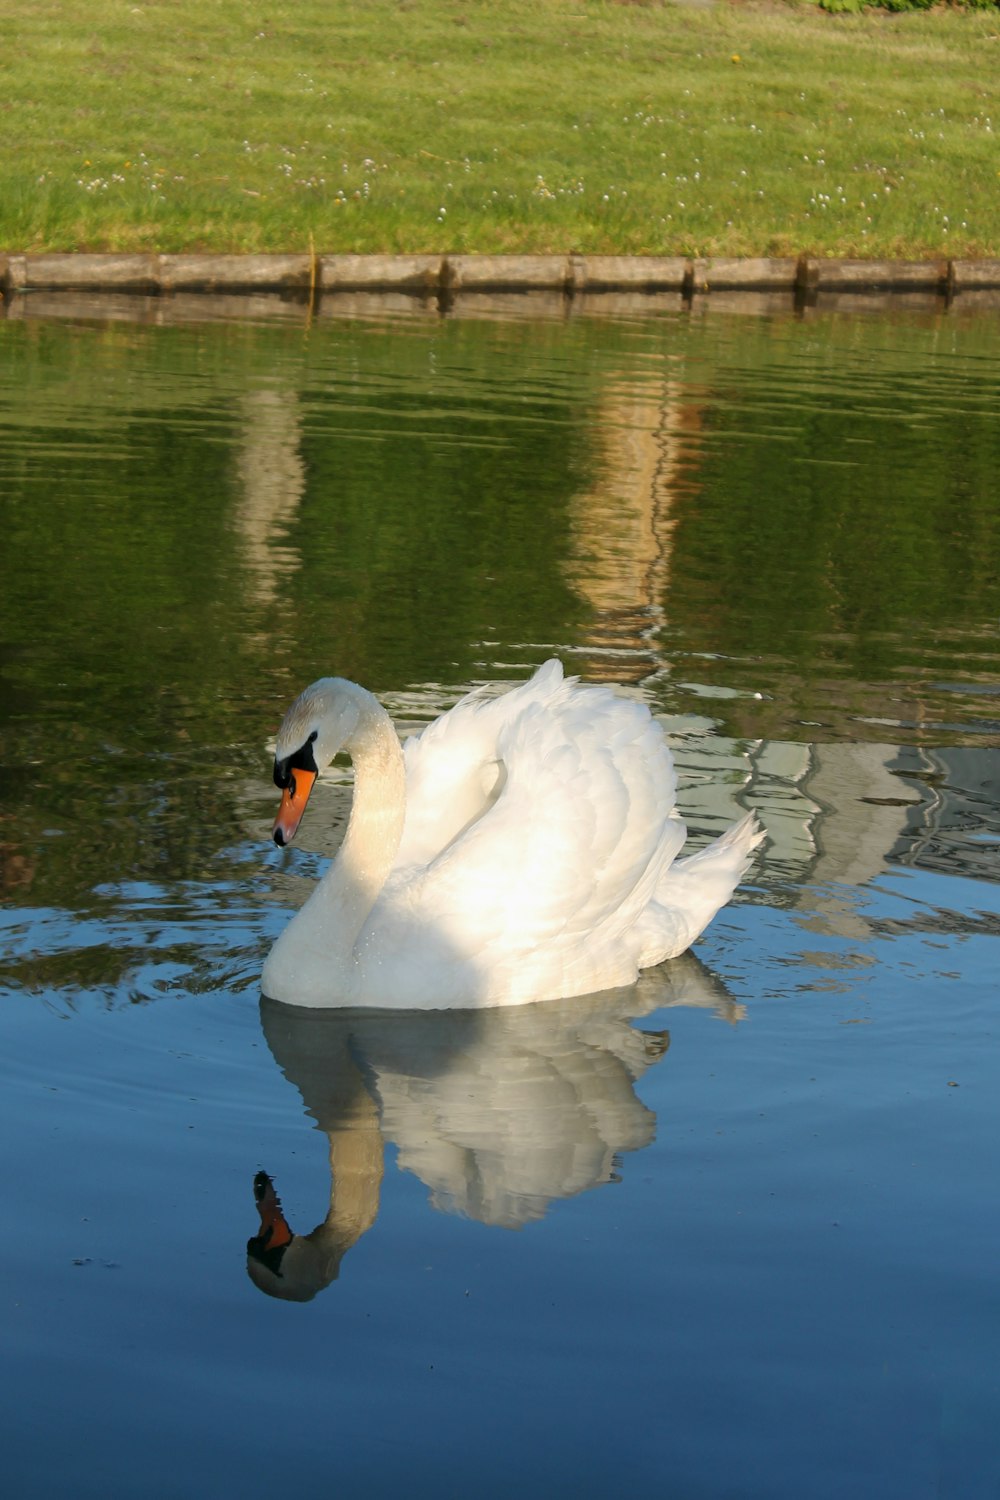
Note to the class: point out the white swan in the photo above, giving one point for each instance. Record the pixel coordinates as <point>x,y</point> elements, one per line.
<point>520,848</point>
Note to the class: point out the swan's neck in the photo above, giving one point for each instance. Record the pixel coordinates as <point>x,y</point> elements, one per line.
<point>351,885</point>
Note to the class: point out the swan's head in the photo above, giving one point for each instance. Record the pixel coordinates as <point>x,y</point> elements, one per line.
<point>319,724</point>
<point>283,1264</point>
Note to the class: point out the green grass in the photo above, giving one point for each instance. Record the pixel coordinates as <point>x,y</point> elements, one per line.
<point>516,125</point>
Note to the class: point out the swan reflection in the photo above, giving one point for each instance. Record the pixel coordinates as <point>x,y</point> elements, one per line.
<point>499,1112</point>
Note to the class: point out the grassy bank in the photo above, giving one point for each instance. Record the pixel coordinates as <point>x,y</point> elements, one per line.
<point>534,125</point>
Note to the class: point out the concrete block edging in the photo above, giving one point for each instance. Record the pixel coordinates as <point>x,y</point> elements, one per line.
<point>308,276</point>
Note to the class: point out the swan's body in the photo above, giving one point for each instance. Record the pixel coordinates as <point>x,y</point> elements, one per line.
<point>520,848</point>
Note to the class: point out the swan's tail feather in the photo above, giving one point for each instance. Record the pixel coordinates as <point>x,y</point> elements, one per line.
<point>690,892</point>
<point>717,869</point>
<point>733,849</point>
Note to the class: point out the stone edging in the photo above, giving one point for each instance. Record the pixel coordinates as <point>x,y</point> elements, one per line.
<point>443,276</point>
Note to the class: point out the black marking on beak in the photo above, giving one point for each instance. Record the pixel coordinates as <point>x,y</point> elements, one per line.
<point>302,760</point>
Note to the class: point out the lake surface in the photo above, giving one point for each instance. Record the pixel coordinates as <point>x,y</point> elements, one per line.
<point>730,1233</point>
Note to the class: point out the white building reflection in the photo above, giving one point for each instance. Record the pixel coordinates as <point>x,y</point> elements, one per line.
<point>271,481</point>
<point>618,558</point>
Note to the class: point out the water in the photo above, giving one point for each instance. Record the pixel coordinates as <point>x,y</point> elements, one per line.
<point>729,1233</point>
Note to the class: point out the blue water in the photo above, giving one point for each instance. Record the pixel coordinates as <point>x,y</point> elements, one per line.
<point>730,1233</point>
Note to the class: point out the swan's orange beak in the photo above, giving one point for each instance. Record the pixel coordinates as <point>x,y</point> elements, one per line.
<point>293,805</point>
<point>274,1228</point>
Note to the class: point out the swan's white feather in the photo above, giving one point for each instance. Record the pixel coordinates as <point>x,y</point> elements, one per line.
<point>536,858</point>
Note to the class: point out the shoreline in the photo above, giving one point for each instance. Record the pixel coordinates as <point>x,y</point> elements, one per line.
<point>169,289</point>
<point>308,277</point>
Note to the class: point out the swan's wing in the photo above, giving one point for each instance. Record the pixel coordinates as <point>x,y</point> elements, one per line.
<point>454,772</point>
<point>569,854</point>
